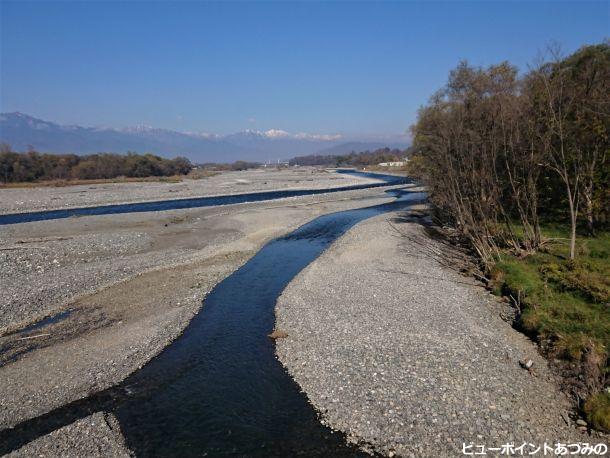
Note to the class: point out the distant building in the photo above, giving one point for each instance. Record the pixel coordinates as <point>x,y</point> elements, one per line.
<point>276,164</point>
<point>394,164</point>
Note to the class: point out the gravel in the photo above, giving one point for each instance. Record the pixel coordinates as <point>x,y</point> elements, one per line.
<point>108,336</point>
<point>44,265</point>
<point>39,272</point>
<point>18,200</point>
<point>97,435</point>
<point>409,357</point>
<point>132,283</point>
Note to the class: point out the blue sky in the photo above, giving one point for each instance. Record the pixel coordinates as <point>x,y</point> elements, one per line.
<point>351,68</point>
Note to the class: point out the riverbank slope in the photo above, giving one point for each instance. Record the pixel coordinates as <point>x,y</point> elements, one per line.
<point>409,356</point>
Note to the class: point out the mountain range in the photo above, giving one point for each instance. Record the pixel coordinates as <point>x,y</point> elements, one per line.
<point>23,132</point>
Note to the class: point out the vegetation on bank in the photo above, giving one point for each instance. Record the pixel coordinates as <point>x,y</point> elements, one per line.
<point>565,304</point>
<point>233,166</point>
<point>597,409</point>
<point>354,159</point>
<point>33,168</point>
<point>519,167</point>
<point>36,167</point>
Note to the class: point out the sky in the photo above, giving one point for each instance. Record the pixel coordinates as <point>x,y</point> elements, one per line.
<point>361,68</point>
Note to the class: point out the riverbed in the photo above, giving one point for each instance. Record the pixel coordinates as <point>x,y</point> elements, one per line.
<point>130,282</point>
<point>36,199</point>
<point>378,336</point>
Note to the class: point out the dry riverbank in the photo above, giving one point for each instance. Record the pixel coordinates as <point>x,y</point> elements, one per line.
<point>409,356</point>
<point>96,436</point>
<point>19,200</point>
<point>130,282</point>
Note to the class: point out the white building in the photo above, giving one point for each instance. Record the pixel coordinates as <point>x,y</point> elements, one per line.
<point>394,164</point>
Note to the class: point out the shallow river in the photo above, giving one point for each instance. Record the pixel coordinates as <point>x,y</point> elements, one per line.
<point>194,202</point>
<point>219,389</point>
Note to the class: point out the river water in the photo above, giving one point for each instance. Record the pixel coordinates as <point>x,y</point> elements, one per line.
<point>219,390</point>
<point>195,202</point>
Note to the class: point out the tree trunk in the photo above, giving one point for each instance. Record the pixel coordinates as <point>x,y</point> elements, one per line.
<point>587,191</point>
<point>573,239</point>
<point>573,216</point>
<point>589,212</point>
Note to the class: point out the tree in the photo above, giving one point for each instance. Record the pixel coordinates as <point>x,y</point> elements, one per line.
<point>484,140</point>
<point>589,79</point>
<point>573,98</point>
<point>31,166</point>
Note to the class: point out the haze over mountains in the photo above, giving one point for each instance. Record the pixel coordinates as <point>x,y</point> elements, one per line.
<point>23,132</point>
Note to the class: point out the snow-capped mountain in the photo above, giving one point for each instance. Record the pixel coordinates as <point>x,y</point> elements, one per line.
<point>280,144</point>
<point>23,132</point>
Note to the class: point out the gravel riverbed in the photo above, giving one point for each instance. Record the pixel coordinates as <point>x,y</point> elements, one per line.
<point>390,347</point>
<point>96,436</point>
<point>410,357</point>
<point>27,199</point>
<point>130,284</point>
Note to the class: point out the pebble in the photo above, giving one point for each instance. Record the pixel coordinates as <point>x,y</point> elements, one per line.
<point>376,310</point>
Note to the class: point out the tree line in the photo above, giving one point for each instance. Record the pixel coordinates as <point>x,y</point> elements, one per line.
<point>353,159</point>
<point>232,166</point>
<point>33,166</point>
<point>500,151</point>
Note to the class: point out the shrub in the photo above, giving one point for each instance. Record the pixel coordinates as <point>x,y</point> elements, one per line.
<point>32,166</point>
<point>597,409</point>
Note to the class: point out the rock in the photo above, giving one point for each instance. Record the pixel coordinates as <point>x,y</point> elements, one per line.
<point>526,364</point>
<point>277,334</point>
<point>581,422</point>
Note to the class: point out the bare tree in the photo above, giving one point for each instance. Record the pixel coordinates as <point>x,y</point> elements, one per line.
<point>564,156</point>
<point>575,96</point>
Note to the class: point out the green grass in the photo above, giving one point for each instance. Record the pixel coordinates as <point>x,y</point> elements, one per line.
<point>563,300</point>
<point>597,409</point>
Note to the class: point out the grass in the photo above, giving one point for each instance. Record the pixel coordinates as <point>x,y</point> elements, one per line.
<point>198,174</point>
<point>566,302</point>
<point>597,409</point>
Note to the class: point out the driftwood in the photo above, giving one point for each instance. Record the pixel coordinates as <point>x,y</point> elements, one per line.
<point>44,239</point>
<point>34,337</point>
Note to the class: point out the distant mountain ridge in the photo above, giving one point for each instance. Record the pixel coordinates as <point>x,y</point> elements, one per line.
<point>22,132</point>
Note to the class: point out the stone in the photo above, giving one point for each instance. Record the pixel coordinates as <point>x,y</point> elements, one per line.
<point>278,334</point>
